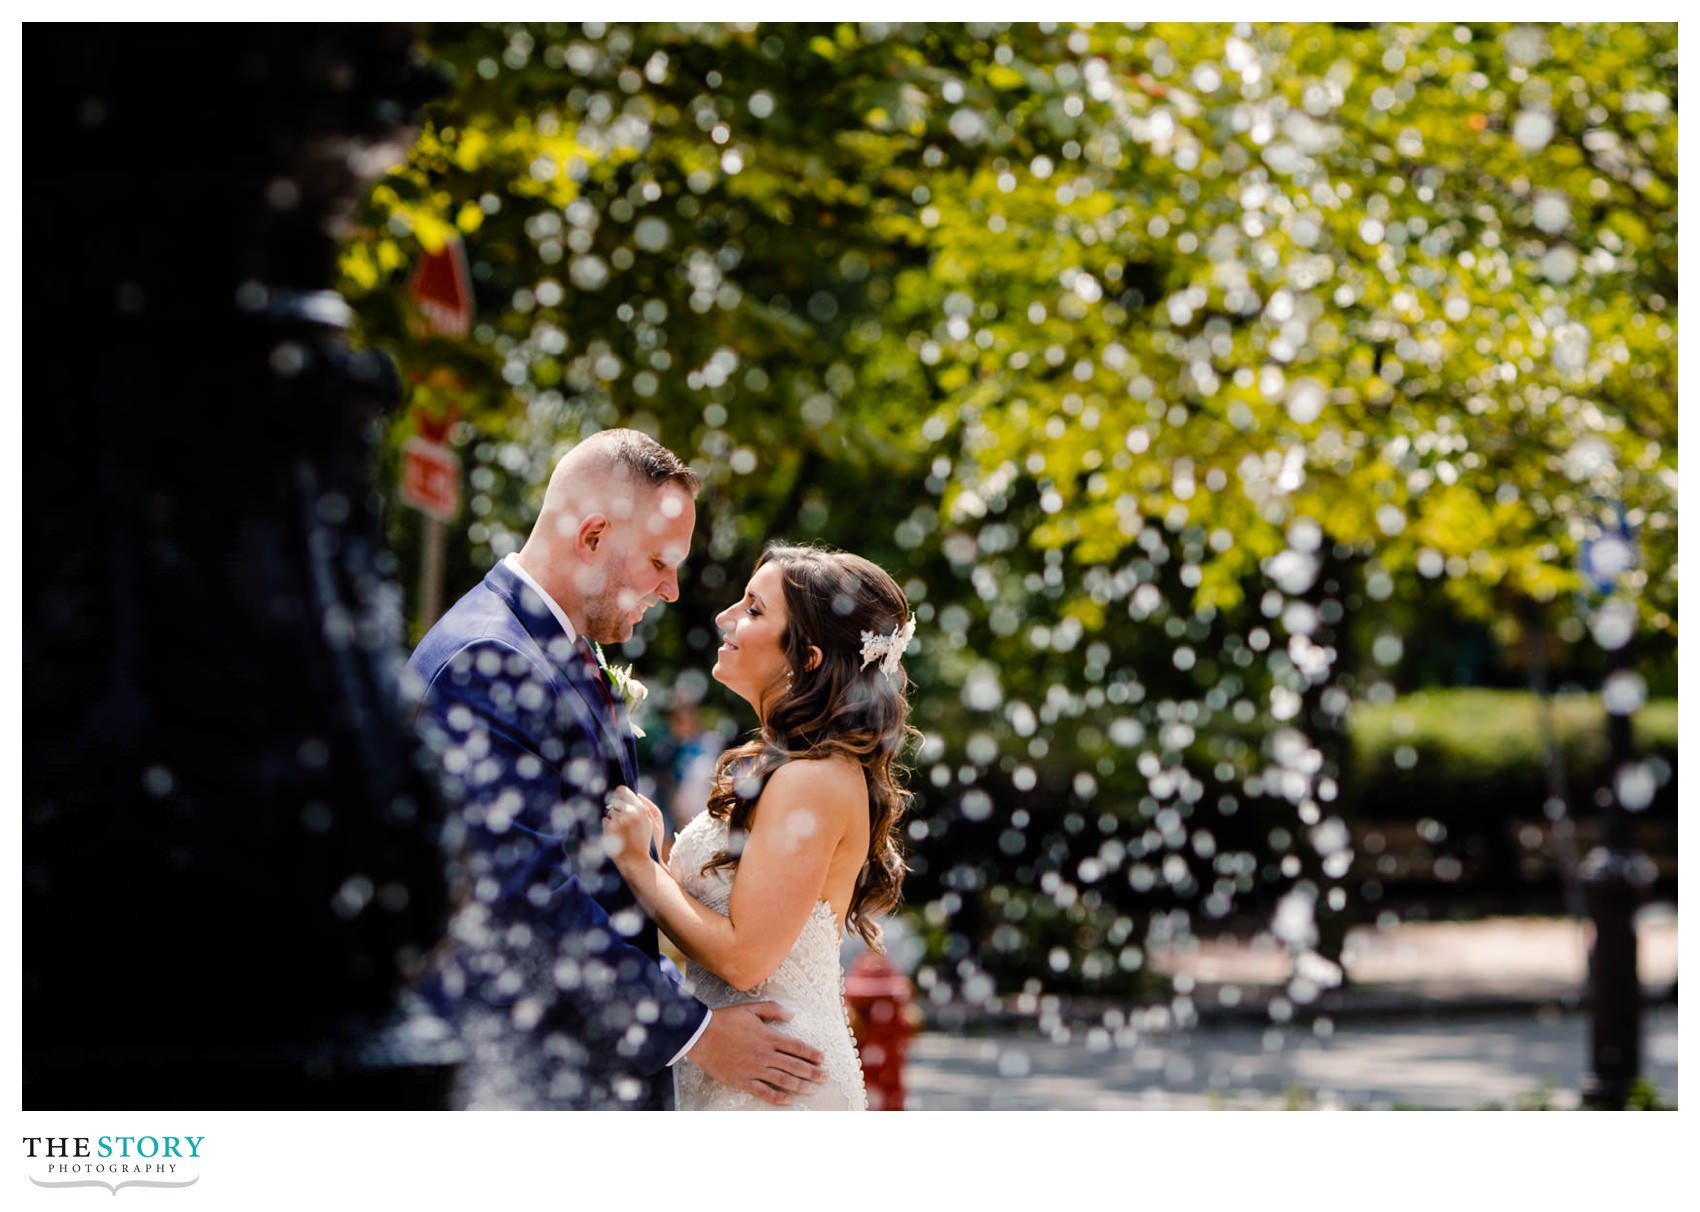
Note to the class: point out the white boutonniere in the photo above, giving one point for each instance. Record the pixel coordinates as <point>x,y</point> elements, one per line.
<point>625,684</point>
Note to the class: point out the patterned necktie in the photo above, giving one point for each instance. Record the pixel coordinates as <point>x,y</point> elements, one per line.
<point>598,675</point>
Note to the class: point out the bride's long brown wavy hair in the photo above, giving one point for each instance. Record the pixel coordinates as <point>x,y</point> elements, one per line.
<point>837,708</point>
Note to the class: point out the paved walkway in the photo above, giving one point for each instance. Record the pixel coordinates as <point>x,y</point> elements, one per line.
<point>1427,963</point>
<point>1467,1063</point>
<point>1437,1014</point>
<point>1423,966</point>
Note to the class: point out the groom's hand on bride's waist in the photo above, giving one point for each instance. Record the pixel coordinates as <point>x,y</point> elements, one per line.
<point>742,1048</point>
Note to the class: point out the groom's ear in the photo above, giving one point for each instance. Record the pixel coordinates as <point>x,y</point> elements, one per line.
<point>813,660</point>
<point>591,531</point>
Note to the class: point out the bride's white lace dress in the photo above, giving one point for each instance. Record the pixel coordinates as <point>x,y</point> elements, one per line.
<point>809,982</point>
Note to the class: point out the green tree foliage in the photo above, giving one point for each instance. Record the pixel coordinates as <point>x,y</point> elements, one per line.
<point>1160,362</point>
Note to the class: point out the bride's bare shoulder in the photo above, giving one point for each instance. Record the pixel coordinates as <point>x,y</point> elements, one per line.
<point>835,781</point>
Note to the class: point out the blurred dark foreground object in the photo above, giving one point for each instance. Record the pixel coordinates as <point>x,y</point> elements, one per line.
<point>232,856</point>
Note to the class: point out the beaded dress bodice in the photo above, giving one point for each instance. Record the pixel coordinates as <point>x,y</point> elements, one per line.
<point>809,982</point>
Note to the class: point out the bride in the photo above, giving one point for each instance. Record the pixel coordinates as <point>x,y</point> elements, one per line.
<point>799,838</point>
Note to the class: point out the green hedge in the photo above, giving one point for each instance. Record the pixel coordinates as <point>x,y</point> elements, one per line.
<point>1479,753</point>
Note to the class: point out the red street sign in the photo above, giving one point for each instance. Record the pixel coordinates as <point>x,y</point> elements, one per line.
<point>442,290</point>
<point>435,429</point>
<point>430,478</point>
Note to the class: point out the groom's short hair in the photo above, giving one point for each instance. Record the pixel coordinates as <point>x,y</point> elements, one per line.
<point>642,457</point>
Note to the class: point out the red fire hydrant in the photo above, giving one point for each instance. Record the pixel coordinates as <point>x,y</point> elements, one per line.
<point>882,1015</point>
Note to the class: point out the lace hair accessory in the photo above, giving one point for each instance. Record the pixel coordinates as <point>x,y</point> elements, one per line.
<point>887,649</point>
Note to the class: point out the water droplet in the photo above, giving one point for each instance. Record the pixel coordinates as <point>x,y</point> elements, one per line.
<point>283,194</point>
<point>651,234</point>
<point>1532,130</point>
<point>1330,837</point>
<point>288,359</point>
<point>982,749</point>
<point>588,272</point>
<point>1293,571</point>
<point>967,125</point>
<point>1551,212</point>
<point>352,897</point>
<point>976,805</point>
<point>1635,785</point>
<point>1586,458</point>
<point>982,690</point>
<point>1305,401</point>
<point>1624,692</point>
<point>1525,45</point>
<point>1613,624</point>
<point>1391,520</point>
<point>1560,264</point>
<point>252,296</point>
<point>158,782</point>
<point>1295,919</point>
<point>1570,346</point>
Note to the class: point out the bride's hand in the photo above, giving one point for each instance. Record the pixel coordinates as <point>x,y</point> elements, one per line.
<point>632,822</point>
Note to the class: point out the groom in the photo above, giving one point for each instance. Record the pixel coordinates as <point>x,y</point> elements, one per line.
<point>554,977</point>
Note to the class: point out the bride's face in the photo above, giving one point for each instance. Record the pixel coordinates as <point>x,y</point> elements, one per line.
<point>750,662</point>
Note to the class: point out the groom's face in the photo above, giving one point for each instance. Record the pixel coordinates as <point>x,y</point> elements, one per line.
<point>640,561</point>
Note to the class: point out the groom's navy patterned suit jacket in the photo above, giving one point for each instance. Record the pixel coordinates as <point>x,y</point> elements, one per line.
<point>554,980</point>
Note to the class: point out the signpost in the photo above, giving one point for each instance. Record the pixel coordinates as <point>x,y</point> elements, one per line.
<point>430,482</point>
<point>441,289</point>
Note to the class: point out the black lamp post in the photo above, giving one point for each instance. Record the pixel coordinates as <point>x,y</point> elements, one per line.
<point>1615,876</point>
